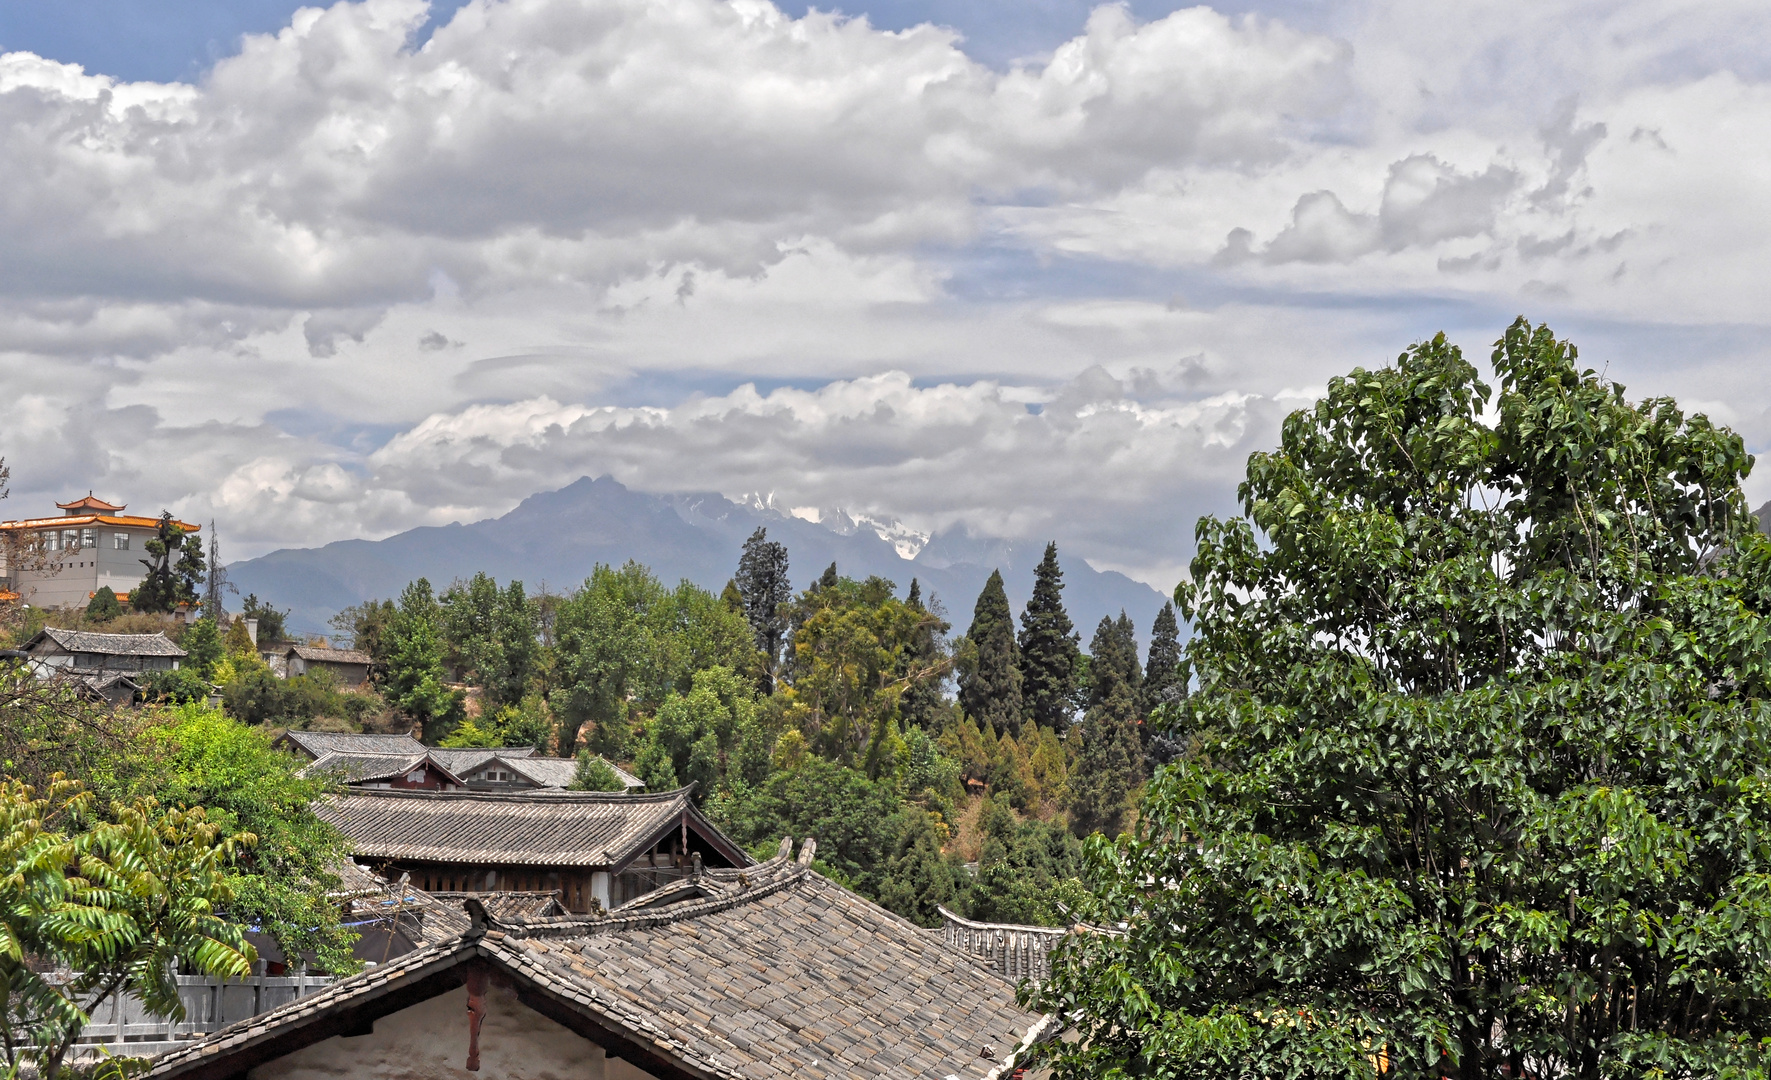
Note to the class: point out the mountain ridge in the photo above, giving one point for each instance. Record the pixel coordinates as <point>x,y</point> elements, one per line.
<point>554,538</point>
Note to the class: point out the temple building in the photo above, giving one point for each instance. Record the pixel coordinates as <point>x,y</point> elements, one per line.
<point>60,562</point>
<point>598,850</point>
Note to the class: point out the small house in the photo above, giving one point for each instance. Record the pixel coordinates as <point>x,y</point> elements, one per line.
<point>81,652</point>
<point>348,666</point>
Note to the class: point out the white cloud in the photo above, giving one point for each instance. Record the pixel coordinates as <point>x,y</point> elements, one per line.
<point>343,285</point>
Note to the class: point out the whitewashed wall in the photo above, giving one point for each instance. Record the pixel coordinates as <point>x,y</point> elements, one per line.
<point>429,1040</point>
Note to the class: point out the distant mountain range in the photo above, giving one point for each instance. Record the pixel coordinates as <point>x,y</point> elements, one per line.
<point>555,538</point>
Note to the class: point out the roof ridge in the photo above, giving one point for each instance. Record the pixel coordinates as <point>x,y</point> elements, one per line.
<point>613,797</point>
<point>563,927</point>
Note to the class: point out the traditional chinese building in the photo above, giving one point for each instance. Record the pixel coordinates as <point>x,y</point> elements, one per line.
<point>60,562</point>
<point>598,850</point>
<point>400,761</point>
<point>771,972</point>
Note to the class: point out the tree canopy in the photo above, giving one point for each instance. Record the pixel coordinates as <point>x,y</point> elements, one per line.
<point>1476,763</point>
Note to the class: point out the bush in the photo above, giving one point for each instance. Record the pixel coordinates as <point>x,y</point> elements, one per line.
<point>104,605</point>
<point>176,687</point>
<point>594,774</point>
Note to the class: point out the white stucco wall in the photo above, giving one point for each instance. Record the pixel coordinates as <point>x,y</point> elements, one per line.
<point>429,1040</point>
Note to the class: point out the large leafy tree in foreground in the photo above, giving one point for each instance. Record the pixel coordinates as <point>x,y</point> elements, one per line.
<point>1479,769</point>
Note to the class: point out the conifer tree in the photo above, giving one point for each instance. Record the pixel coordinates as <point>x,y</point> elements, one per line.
<point>990,674</point>
<point>924,703</point>
<point>762,581</point>
<point>1049,647</point>
<point>1163,678</point>
<point>1111,759</point>
<point>1126,643</point>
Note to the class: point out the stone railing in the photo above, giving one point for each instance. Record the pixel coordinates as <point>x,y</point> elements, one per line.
<point>122,1026</point>
<point>1014,952</point>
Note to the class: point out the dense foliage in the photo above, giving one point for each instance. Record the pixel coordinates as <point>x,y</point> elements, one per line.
<point>1476,766</point>
<point>121,902</point>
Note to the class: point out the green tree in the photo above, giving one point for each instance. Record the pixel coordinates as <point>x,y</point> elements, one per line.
<point>624,643</point>
<point>203,648</point>
<point>1165,676</point>
<point>706,736</point>
<point>1049,647</point>
<point>368,627</point>
<point>916,879</point>
<point>1108,766</point>
<point>202,758</point>
<point>1475,783</point>
<point>851,817</point>
<point>104,605</point>
<point>595,774</point>
<point>763,583</point>
<point>490,637</point>
<point>175,687</point>
<point>271,621</point>
<point>122,903</point>
<point>415,682</point>
<point>1025,870</point>
<point>175,566</point>
<point>926,665</point>
<point>850,660</point>
<point>989,662</point>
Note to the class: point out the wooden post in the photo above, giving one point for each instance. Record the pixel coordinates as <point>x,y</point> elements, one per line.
<point>475,981</point>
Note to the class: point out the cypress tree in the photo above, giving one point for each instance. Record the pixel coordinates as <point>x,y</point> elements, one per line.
<point>990,678</point>
<point>1126,644</point>
<point>762,582</point>
<point>1111,759</point>
<point>1049,647</point>
<point>829,579</point>
<point>1164,680</point>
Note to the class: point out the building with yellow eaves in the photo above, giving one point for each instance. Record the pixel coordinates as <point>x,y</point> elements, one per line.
<point>58,562</point>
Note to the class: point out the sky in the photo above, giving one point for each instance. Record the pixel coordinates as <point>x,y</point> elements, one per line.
<point>1028,268</point>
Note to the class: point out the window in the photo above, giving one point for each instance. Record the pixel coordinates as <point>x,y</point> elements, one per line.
<point>415,777</point>
<point>121,540</point>
<point>87,539</point>
<point>52,541</point>
<point>70,539</point>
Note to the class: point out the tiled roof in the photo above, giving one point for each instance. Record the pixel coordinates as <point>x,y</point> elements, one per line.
<point>367,768</point>
<point>463,760</point>
<point>86,641</point>
<point>509,906</point>
<point>529,828</point>
<point>329,656</point>
<point>788,976</point>
<point>93,503</point>
<point>547,772</point>
<point>320,743</point>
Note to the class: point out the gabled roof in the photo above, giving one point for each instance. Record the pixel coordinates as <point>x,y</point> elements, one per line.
<point>547,772</point>
<point>317,744</point>
<point>368,768</point>
<point>316,655</point>
<point>95,505</point>
<point>787,976</point>
<point>601,830</point>
<point>86,641</point>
